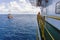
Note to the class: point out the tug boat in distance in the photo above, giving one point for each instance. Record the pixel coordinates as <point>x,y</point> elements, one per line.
<point>10,16</point>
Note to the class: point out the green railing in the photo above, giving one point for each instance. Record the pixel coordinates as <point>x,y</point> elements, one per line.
<point>54,17</point>
<point>47,30</point>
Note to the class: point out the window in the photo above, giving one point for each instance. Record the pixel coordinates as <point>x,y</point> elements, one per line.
<point>57,9</point>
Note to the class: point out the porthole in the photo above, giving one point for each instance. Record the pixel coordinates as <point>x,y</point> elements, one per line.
<point>57,8</point>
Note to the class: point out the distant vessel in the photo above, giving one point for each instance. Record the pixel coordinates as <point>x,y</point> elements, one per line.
<point>10,16</point>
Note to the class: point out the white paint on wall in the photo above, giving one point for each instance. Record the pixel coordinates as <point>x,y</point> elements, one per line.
<point>51,8</point>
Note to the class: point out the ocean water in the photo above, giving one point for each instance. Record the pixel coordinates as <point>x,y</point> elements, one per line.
<point>20,27</point>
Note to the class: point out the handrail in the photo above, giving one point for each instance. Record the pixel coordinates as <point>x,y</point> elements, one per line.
<point>41,22</point>
<point>54,17</point>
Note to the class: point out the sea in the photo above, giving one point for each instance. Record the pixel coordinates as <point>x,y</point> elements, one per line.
<point>20,27</point>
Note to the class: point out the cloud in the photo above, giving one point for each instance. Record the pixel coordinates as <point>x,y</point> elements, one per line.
<point>3,8</point>
<point>22,6</point>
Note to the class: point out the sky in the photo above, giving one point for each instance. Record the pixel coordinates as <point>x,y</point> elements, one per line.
<point>23,7</point>
<point>17,7</point>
